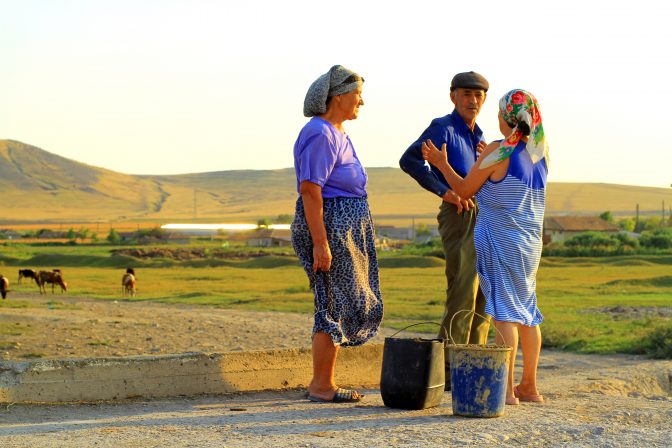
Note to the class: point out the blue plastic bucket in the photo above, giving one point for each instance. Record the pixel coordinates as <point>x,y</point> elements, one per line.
<point>478,375</point>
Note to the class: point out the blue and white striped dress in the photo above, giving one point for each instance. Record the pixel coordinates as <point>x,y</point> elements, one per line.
<point>508,239</point>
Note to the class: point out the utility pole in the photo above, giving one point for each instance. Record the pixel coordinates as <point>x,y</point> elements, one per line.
<point>662,221</point>
<point>195,214</point>
<point>413,228</point>
<point>637,219</point>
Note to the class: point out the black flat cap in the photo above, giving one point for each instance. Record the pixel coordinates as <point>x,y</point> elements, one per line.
<point>469,80</point>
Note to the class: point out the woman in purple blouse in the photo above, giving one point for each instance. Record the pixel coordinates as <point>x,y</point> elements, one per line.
<point>332,232</point>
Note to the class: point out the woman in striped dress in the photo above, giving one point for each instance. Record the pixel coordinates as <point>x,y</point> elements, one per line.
<point>509,181</point>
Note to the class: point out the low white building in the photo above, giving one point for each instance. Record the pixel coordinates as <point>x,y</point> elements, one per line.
<point>560,228</point>
<point>270,238</point>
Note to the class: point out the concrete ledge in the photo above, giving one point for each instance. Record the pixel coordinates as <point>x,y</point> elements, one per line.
<point>182,374</point>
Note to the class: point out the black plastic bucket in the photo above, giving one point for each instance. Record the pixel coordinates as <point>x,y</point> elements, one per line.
<point>413,373</point>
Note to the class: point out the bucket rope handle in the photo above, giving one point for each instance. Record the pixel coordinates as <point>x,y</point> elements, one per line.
<point>450,328</point>
<point>421,323</point>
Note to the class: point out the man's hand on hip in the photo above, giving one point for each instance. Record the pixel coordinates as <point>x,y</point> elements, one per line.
<point>462,204</point>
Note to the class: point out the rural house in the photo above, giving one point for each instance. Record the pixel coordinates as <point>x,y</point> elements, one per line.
<point>560,228</point>
<point>270,238</point>
<point>127,237</point>
<point>407,233</point>
<point>51,235</point>
<point>9,234</point>
<point>395,233</point>
<point>176,238</point>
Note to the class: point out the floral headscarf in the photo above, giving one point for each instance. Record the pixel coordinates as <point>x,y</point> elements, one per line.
<point>520,106</point>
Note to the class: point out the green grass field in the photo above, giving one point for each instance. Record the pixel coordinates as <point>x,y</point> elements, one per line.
<point>573,292</point>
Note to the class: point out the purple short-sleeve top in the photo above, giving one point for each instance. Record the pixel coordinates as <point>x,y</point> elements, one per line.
<point>325,156</point>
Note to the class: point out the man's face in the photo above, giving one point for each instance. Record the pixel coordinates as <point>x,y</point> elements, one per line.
<point>468,103</point>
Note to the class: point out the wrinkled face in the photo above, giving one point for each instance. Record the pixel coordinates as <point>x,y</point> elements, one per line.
<point>349,103</point>
<point>468,103</point>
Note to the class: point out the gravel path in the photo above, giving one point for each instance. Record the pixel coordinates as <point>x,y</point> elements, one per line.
<point>590,401</point>
<point>621,401</point>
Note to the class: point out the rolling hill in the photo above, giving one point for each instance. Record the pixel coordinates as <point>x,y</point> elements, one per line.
<point>41,187</point>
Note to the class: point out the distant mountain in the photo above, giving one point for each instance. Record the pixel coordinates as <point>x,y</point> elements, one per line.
<point>38,186</point>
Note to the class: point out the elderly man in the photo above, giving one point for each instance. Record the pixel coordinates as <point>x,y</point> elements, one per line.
<point>457,216</point>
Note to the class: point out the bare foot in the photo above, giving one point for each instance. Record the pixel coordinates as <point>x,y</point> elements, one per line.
<point>512,400</point>
<point>524,394</point>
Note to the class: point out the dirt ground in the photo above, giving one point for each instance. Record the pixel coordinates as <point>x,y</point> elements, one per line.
<point>600,401</point>
<point>59,327</point>
<point>595,401</point>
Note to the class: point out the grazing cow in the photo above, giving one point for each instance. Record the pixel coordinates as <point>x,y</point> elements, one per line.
<point>128,284</point>
<point>4,286</point>
<point>54,277</point>
<point>28,273</point>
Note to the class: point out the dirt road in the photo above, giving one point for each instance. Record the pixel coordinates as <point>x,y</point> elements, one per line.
<point>591,401</point>
<point>620,401</point>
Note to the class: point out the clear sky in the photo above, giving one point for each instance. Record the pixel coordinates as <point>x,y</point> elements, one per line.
<point>185,86</point>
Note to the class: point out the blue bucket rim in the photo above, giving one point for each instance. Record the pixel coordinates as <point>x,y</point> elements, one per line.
<point>480,347</point>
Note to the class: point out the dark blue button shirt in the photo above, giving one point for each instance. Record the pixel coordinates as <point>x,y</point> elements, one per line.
<point>461,146</point>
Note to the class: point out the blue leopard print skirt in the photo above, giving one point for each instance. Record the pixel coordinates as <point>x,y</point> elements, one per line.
<point>348,303</point>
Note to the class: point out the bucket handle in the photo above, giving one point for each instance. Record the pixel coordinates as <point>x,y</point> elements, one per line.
<point>450,328</point>
<point>421,323</point>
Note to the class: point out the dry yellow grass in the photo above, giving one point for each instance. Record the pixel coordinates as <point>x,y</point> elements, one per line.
<point>39,187</point>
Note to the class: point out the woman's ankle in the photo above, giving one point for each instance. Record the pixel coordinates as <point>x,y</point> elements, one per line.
<point>321,388</point>
<point>528,388</point>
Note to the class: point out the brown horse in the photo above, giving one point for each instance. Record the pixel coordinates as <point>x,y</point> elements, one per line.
<point>128,285</point>
<point>54,277</point>
<point>4,286</point>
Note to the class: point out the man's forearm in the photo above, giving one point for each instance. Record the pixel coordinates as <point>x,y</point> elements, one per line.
<point>413,164</point>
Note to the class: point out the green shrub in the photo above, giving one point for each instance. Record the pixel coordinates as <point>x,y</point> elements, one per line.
<point>113,237</point>
<point>593,240</point>
<point>657,344</point>
<point>431,248</point>
<point>600,244</point>
<point>658,239</point>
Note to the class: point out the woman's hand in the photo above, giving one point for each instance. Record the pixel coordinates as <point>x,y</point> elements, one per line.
<point>432,154</point>
<point>480,146</point>
<point>440,160</point>
<point>321,257</point>
<point>312,205</point>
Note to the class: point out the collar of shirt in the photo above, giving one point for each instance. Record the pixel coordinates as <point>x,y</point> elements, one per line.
<point>461,125</point>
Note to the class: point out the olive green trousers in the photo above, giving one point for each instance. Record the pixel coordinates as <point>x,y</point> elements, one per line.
<point>462,291</point>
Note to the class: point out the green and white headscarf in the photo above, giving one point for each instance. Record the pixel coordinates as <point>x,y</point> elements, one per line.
<point>519,106</point>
